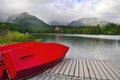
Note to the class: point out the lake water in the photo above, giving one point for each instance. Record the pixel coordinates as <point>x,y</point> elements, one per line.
<point>87,46</point>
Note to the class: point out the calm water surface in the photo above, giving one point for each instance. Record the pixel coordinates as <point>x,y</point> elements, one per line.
<point>86,46</point>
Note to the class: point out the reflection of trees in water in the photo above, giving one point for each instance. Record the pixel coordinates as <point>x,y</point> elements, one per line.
<point>109,43</point>
<point>118,43</point>
<point>80,40</point>
<point>58,37</point>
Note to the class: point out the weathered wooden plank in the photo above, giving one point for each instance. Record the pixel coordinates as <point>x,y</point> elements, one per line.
<point>52,78</point>
<point>64,67</point>
<point>68,68</point>
<point>81,72</point>
<point>77,69</point>
<point>113,69</point>
<point>94,79</point>
<point>114,66</point>
<point>54,68</point>
<point>104,70</point>
<point>58,78</point>
<point>97,75</point>
<point>75,78</point>
<point>60,66</point>
<point>63,78</point>
<point>110,71</point>
<point>81,79</point>
<point>40,77</point>
<point>100,70</point>
<point>87,79</point>
<point>86,73</point>
<point>68,78</point>
<point>48,70</point>
<point>72,70</point>
<point>91,72</point>
<point>34,78</point>
<point>47,77</point>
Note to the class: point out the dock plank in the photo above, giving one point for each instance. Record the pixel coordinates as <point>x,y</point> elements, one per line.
<point>86,70</point>
<point>64,67</point>
<point>72,70</point>
<point>114,70</point>
<point>47,77</point>
<point>91,72</point>
<point>68,68</point>
<point>81,72</point>
<point>54,68</point>
<point>52,78</point>
<point>77,69</point>
<point>105,71</point>
<point>114,67</point>
<point>48,70</point>
<point>100,70</point>
<point>41,77</point>
<point>58,78</point>
<point>98,76</point>
<point>60,66</point>
<point>110,71</point>
<point>81,69</point>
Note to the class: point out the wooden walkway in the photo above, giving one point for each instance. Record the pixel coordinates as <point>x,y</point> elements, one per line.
<point>74,69</point>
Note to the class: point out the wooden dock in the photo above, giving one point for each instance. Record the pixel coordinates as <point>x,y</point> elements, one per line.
<point>77,69</point>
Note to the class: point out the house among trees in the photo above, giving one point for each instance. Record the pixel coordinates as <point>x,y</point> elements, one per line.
<point>58,29</point>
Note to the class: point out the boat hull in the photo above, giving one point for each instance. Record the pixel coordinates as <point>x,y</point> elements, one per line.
<point>30,60</point>
<point>30,72</point>
<point>5,48</point>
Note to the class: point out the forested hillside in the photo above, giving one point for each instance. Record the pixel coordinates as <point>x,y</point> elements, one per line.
<point>4,26</point>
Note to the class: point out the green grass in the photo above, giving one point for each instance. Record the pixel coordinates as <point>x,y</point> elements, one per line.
<point>15,36</point>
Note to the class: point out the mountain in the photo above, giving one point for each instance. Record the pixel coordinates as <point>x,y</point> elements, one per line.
<point>2,20</point>
<point>88,22</point>
<point>27,20</point>
<point>54,23</point>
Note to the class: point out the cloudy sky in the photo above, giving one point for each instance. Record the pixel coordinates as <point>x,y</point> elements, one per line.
<point>62,10</point>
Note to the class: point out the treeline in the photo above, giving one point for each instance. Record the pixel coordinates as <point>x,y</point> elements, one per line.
<point>4,26</point>
<point>109,29</point>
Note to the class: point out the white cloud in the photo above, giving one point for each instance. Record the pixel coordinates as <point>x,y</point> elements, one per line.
<point>62,10</point>
<point>109,10</point>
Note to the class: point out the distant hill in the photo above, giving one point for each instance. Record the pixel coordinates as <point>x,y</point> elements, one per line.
<point>27,20</point>
<point>54,23</point>
<point>88,22</point>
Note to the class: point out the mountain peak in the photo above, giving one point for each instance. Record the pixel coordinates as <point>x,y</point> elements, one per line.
<point>27,20</point>
<point>88,22</point>
<point>24,14</point>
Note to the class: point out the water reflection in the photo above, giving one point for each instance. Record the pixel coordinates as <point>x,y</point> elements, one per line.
<point>87,48</point>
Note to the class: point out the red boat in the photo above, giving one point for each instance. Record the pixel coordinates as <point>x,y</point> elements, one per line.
<point>7,47</point>
<point>26,61</point>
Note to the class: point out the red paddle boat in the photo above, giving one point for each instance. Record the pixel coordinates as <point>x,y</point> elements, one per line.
<point>26,61</point>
